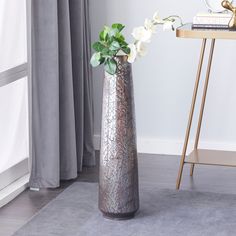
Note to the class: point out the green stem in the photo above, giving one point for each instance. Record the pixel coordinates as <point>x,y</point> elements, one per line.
<point>174,16</point>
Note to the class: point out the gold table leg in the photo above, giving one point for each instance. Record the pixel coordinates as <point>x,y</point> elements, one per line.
<point>203,100</point>
<point>191,114</point>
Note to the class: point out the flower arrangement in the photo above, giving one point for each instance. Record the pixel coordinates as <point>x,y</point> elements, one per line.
<point>112,42</point>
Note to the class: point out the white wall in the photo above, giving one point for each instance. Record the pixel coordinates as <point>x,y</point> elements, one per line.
<point>164,79</point>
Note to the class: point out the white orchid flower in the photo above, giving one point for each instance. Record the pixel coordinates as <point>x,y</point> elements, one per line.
<point>168,25</point>
<point>150,26</point>
<point>157,18</point>
<point>142,34</point>
<point>141,49</point>
<point>133,53</point>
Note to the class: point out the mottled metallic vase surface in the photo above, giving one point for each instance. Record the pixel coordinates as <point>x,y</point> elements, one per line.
<point>118,176</point>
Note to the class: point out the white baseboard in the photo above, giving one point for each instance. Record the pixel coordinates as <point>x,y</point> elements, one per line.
<point>13,173</point>
<point>14,189</point>
<point>170,147</point>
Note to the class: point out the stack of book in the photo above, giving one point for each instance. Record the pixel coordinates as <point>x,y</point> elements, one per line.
<point>212,20</point>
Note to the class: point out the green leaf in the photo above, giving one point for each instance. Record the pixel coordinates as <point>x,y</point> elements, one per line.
<point>126,50</point>
<point>110,66</point>
<point>123,44</point>
<point>114,46</point>
<point>105,52</point>
<point>98,46</point>
<point>119,37</point>
<point>111,53</point>
<point>118,26</point>
<point>96,59</point>
<point>113,32</point>
<point>104,34</point>
<point>102,60</point>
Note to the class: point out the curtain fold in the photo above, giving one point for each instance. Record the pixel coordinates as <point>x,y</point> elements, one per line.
<point>62,102</point>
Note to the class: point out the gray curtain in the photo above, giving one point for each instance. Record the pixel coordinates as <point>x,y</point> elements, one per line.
<point>62,108</point>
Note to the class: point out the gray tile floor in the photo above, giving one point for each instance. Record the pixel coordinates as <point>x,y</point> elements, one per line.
<point>158,169</point>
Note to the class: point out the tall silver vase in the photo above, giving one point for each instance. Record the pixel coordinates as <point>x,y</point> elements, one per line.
<point>118,176</point>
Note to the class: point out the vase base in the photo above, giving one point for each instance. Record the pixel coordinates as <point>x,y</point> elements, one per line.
<point>119,216</point>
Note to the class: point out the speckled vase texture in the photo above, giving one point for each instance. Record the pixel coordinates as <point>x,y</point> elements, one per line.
<point>118,174</point>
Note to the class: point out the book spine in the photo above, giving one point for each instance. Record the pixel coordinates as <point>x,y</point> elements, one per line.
<point>211,21</point>
<point>210,15</point>
<point>209,26</point>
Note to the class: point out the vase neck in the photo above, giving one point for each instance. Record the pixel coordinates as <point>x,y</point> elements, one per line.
<point>121,58</point>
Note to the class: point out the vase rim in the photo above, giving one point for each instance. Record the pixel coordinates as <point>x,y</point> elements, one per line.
<point>121,56</point>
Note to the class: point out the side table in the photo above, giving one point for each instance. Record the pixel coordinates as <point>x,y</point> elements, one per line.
<point>203,156</point>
